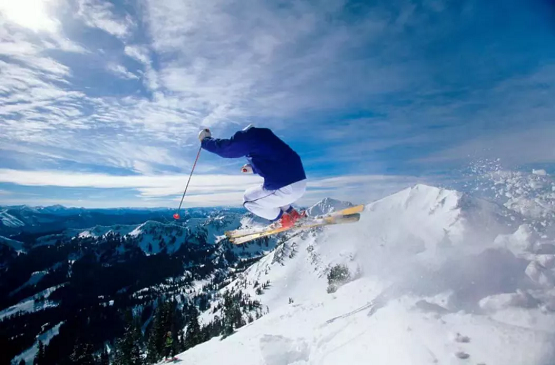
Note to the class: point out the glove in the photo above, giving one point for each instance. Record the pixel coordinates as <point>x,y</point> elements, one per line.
<point>247,169</point>
<point>203,134</point>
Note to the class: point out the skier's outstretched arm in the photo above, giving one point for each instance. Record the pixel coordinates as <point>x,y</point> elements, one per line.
<point>234,147</point>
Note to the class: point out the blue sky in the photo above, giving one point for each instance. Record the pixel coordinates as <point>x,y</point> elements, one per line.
<point>101,102</point>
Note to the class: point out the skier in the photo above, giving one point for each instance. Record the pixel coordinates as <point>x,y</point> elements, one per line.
<point>271,158</point>
<point>168,350</point>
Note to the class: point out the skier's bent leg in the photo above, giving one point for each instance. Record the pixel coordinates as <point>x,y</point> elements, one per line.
<point>259,202</point>
<point>269,204</point>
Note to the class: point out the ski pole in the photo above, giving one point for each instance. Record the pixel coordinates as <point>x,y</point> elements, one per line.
<point>176,215</point>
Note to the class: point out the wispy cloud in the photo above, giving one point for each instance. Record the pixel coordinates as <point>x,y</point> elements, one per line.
<point>122,72</point>
<point>293,61</point>
<point>101,14</point>
<point>141,54</point>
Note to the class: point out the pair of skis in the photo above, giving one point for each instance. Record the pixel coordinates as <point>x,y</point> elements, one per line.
<point>349,215</point>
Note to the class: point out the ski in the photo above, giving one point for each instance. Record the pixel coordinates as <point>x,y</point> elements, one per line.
<point>247,232</point>
<point>304,224</point>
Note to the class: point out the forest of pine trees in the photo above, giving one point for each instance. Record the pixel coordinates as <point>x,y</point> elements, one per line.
<point>113,303</point>
<point>145,327</point>
<point>182,321</point>
<point>128,349</point>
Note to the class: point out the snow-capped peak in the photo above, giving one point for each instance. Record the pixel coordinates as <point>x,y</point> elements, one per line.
<point>327,205</point>
<point>53,208</point>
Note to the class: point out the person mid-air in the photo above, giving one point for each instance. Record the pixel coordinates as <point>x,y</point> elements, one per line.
<point>271,158</point>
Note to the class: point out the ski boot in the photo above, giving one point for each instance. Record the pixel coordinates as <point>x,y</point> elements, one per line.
<point>290,217</point>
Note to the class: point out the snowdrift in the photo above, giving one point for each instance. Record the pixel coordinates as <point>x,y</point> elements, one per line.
<point>435,276</point>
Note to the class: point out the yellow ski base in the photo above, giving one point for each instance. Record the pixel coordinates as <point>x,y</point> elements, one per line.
<point>247,232</point>
<point>325,221</point>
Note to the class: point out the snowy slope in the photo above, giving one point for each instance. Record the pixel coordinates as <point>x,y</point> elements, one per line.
<point>432,281</point>
<point>35,303</point>
<point>15,245</point>
<point>33,280</point>
<point>9,220</point>
<point>29,355</point>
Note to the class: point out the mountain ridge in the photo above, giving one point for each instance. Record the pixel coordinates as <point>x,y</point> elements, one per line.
<point>424,268</point>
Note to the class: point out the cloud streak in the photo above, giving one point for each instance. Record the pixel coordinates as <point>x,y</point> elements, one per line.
<point>122,72</point>
<point>207,189</point>
<point>100,14</point>
<point>150,186</point>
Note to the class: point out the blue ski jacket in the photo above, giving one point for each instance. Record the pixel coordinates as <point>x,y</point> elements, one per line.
<point>269,156</point>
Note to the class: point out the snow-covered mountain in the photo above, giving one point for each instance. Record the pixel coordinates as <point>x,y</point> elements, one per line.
<point>327,205</point>
<point>426,276</point>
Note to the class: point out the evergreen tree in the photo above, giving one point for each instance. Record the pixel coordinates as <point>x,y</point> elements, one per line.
<point>83,354</point>
<point>180,341</point>
<point>128,348</point>
<point>178,322</point>
<point>204,303</point>
<point>39,357</point>
<point>104,358</point>
<point>232,313</point>
<point>338,275</point>
<point>161,324</point>
<point>194,335</point>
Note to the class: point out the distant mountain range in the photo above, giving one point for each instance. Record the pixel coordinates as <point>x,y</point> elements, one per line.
<point>17,220</point>
<point>58,264</point>
<point>25,220</point>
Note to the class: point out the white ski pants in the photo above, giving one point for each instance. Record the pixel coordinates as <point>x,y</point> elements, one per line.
<point>268,204</point>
